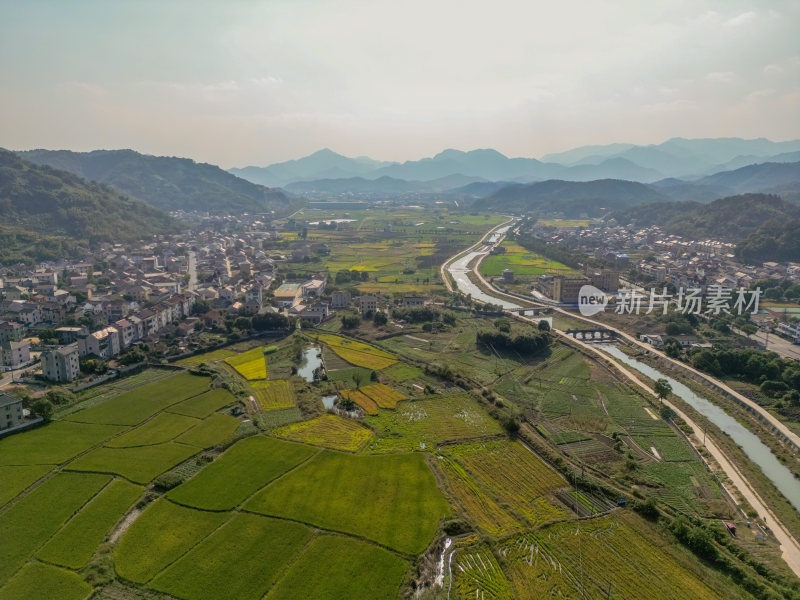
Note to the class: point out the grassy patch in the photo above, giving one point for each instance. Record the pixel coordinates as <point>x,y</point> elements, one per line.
<point>163,533</point>
<point>273,394</point>
<point>339,567</point>
<point>398,502</point>
<point>383,395</point>
<point>239,561</point>
<point>37,516</point>
<point>251,364</point>
<point>37,582</point>
<point>160,429</point>
<point>328,431</point>
<point>203,405</point>
<point>16,479</point>
<point>358,353</point>
<point>140,465</point>
<point>244,468</point>
<point>53,444</point>
<point>212,431</point>
<point>75,544</point>
<point>133,407</point>
<point>401,372</point>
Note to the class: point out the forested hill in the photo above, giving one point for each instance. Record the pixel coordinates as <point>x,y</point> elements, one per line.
<point>167,183</point>
<point>570,199</point>
<point>43,201</point>
<point>732,219</point>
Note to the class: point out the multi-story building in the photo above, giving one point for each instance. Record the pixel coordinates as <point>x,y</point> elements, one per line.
<point>340,299</point>
<point>10,411</point>
<point>103,344</point>
<point>15,354</point>
<point>61,364</point>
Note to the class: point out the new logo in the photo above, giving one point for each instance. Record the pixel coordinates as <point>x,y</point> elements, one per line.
<point>591,300</point>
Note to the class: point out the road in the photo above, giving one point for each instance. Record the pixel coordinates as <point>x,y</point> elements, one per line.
<point>192,270</point>
<point>774,343</point>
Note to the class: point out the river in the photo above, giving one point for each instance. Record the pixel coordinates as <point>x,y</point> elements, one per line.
<point>755,449</point>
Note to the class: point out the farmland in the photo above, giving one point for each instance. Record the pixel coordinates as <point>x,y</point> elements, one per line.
<point>208,357</point>
<point>522,262</point>
<point>425,423</point>
<point>37,581</point>
<point>273,394</point>
<point>358,353</point>
<point>16,478</point>
<point>161,428</point>
<point>399,504</point>
<point>245,468</point>
<point>239,561</point>
<point>548,562</point>
<point>35,518</point>
<point>162,534</point>
<point>328,431</point>
<point>364,401</point>
<point>140,464</point>
<point>203,405</point>
<point>131,408</point>
<point>74,545</point>
<point>383,395</point>
<point>53,444</point>
<point>251,365</point>
<point>338,566</point>
<point>213,430</point>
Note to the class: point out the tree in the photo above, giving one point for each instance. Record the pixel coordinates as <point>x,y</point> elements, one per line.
<point>380,318</point>
<point>662,388</point>
<point>43,408</point>
<point>357,377</point>
<point>544,325</point>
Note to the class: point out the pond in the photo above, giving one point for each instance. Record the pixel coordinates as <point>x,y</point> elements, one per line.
<point>312,359</point>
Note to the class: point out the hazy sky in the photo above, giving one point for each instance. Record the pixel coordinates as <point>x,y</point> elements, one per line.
<point>238,82</point>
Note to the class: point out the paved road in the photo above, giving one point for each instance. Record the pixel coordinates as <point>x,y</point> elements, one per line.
<point>774,343</point>
<point>192,270</point>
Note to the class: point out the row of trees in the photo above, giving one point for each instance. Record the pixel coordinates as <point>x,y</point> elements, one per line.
<point>530,343</point>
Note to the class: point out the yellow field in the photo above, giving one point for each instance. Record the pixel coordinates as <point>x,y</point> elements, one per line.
<point>383,395</point>
<point>357,353</point>
<point>328,431</point>
<point>250,365</point>
<point>273,394</point>
<point>363,401</point>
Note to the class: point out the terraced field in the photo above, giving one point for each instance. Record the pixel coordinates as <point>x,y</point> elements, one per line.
<point>273,394</point>
<point>399,504</point>
<point>208,357</point>
<point>358,353</point>
<point>213,430</point>
<point>158,430</point>
<point>383,395</point>
<point>17,478</point>
<point>203,405</point>
<point>54,443</point>
<point>555,562</point>
<point>477,574</point>
<point>251,365</point>
<point>140,465</point>
<point>162,534</point>
<point>245,468</point>
<point>133,407</point>
<point>329,431</point>
<point>364,401</point>
<point>502,486</point>
<point>37,581</point>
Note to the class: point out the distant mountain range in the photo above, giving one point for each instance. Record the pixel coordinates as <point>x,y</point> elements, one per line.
<point>600,197</point>
<point>687,159</point>
<point>167,183</point>
<point>48,213</point>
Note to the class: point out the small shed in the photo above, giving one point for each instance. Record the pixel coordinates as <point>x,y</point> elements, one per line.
<point>731,528</point>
